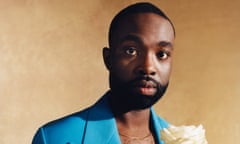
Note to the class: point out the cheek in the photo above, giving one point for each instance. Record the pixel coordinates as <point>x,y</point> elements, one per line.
<point>164,72</point>
<point>123,69</point>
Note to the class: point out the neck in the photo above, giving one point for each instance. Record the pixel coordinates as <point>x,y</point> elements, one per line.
<point>134,123</point>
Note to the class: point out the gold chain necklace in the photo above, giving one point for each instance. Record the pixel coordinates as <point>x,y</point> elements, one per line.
<point>137,140</point>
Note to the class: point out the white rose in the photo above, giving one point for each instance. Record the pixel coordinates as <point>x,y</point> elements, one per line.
<point>184,135</point>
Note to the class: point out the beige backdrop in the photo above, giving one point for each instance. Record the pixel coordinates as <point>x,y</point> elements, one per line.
<point>51,63</point>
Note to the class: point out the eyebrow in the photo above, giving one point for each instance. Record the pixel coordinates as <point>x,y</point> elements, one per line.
<point>166,44</point>
<point>135,38</point>
<point>132,37</point>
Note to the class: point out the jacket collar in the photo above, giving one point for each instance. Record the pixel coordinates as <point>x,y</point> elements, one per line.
<point>158,125</point>
<point>101,125</point>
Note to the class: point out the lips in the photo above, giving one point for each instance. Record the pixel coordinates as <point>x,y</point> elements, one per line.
<point>145,83</point>
<point>145,87</point>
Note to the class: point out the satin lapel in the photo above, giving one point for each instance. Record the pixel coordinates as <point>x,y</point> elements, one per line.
<point>158,125</point>
<point>101,126</point>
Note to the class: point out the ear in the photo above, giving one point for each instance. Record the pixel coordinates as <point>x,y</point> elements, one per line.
<point>107,57</point>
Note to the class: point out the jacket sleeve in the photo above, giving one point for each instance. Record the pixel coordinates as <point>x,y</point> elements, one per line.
<point>39,137</point>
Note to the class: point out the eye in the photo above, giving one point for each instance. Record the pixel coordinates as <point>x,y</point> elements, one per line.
<point>163,55</point>
<point>131,51</point>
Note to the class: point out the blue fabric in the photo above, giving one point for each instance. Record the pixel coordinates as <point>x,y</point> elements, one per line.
<point>95,125</point>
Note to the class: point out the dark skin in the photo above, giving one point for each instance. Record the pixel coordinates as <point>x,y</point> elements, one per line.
<point>142,45</point>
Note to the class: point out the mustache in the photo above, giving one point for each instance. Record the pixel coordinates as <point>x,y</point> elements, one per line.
<point>145,81</point>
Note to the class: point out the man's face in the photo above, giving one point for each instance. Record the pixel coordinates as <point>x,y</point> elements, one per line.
<point>140,59</point>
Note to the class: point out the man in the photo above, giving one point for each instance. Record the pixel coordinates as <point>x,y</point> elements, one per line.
<point>139,63</point>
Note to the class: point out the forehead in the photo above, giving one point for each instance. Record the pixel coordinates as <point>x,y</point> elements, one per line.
<point>144,24</point>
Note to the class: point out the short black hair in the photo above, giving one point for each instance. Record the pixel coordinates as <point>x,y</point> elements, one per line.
<point>141,7</point>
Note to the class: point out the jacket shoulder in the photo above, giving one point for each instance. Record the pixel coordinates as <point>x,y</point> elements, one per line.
<point>69,129</point>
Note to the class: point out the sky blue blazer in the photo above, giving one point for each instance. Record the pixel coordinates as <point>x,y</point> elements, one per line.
<point>94,125</point>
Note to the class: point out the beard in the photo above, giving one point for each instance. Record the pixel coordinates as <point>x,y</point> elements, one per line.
<point>124,98</point>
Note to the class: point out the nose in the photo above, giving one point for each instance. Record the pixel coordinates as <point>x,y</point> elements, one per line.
<point>146,65</point>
